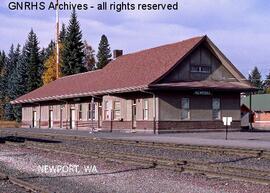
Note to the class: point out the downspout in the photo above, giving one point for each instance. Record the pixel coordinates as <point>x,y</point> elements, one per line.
<point>66,111</point>
<point>154,108</point>
<point>92,108</point>
<point>92,103</point>
<point>250,113</point>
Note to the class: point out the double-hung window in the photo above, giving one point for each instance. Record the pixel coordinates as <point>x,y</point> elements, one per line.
<point>185,110</point>
<point>106,110</point>
<point>117,110</point>
<point>91,111</point>
<point>201,69</point>
<point>80,112</point>
<point>216,109</point>
<point>145,109</point>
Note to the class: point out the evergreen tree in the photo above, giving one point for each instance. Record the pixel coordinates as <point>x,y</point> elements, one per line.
<point>42,55</point>
<point>73,48</point>
<point>20,81</point>
<point>50,49</point>
<point>33,62</point>
<point>63,33</point>
<point>255,78</point>
<point>89,59</point>
<point>104,53</point>
<point>267,84</point>
<point>9,76</point>
<point>2,84</point>
<point>2,65</point>
<point>2,56</point>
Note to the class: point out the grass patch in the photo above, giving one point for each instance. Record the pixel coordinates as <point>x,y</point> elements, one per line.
<point>9,124</point>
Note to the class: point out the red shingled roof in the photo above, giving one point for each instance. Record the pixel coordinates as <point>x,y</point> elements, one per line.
<point>128,72</point>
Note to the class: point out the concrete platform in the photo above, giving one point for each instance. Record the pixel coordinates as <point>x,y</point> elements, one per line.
<point>253,140</point>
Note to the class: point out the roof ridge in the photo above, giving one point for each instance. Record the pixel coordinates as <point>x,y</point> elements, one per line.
<point>78,74</point>
<point>164,45</point>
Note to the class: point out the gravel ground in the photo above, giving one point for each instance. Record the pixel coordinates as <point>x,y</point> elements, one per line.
<point>232,160</point>
<point>7,187</point>
<point>111,176</point>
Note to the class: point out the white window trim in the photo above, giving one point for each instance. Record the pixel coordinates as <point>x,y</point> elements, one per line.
<point>219,109</point>
<point>80,110</point>
<point>145,110</point>
<point>114,110</point>
<point>188,109</point>
<point>106,110</point>
<point>92,113</point>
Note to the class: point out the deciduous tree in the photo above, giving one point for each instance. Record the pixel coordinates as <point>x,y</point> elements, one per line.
<point>89,59</point>
<point>49,74</point>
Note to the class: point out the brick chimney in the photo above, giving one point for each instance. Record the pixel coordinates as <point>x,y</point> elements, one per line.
<point>117,53</point>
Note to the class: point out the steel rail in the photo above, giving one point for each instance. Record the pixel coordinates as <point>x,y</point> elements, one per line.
<point>212,149</point>
<point>28,186</point>
<point>223,171</point>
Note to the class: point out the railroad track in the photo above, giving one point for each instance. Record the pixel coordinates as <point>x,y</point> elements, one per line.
<point>29,187</point>
<point>223,171</point>
<point>167,146</point>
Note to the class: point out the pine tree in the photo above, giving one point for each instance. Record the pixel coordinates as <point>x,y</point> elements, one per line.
<point>2,84</point>
<point>255,78</point>
<point>63,33</point>
<point>42,55</point>
<point>9,76</point>
<point>73,48</point>
<point>2,56</point>
<point>20,81</point>
<point>89,59</point>
<point>33,62</point>
<point>50,49</point>
<point>104,53</point>
<point>2,65</point>
<point>267,84</point>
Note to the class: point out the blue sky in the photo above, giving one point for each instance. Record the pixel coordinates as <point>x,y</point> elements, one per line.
<point>240,28</point>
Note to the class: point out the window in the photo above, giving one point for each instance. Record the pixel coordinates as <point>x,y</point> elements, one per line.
<point>91,111</point>
<point>116,112</point>
<point>80,111</point>
<point>216,108</point>
<point>145,109</point>
<point>201,69</point>
<point>106,110</point>
<point>185,113</point>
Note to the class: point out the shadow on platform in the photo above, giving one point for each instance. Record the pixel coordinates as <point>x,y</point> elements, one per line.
<point>15,139</point>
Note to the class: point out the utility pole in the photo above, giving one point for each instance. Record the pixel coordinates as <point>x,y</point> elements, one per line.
<point>57,39</point>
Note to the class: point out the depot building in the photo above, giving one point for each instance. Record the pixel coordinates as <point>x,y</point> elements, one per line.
<point>184,86</point>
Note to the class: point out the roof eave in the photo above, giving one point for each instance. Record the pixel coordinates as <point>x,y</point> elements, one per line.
<point>85,94</point>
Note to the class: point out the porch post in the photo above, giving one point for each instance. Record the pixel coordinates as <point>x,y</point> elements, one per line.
<point>92,112</point>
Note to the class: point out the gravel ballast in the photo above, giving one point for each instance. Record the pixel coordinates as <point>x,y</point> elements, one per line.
<point>250,162</point>
<point>111,176</point>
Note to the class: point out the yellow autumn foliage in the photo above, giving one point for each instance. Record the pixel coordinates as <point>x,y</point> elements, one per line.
<point>49,74</point>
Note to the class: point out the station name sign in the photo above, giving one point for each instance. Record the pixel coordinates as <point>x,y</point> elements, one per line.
<point>201,92</point>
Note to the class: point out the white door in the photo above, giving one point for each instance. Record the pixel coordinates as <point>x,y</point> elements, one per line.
<point>34,119</point>
<point>50,119</point>
<point>73,118</point>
